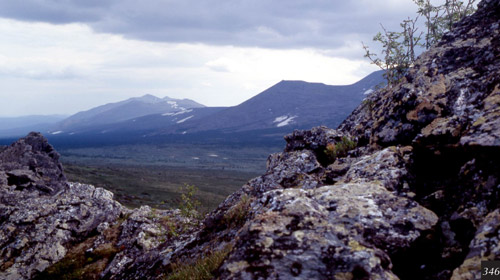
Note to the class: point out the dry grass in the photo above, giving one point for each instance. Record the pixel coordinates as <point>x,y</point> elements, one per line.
<point>202,269</point>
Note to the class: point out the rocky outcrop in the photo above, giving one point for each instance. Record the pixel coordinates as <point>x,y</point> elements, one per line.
<point>50,228</point>
<point>448,110</point>
<point>408,187</point>
<point>450,95</point>
<point>416,199</point>
<point>32,164</point>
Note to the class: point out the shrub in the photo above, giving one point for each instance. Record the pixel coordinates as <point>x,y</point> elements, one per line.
<point>399,49</point>
<point>340,149</point>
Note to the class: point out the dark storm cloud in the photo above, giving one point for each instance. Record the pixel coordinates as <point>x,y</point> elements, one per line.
<point>260,23</point>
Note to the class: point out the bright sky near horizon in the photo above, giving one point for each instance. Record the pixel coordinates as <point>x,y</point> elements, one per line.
<point>64,56</point>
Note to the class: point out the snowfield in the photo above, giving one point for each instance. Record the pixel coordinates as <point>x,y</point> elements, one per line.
<point>284,120</point>
<point>185,119</point>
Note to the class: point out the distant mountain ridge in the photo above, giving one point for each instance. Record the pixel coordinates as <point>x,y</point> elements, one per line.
<point>283,107</point>
<point>278,110</point>
<point>294,104</point>
<point>125,110</point>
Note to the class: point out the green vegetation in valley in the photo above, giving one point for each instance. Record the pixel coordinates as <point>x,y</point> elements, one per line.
<point>154,174</point>
<point>159,186</point>
<point>193,156</point>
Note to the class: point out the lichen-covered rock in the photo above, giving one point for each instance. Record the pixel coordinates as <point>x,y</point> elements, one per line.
<point>31,163</point>
<point>451,94</point>
<point>388,166</point>
<point>484,247</point>
<point>49,227</point>
<point>344,229</point>
<point>314,139</point>
<point>37,230</point>
<point>295,169</point>
<point>146,235</point>
<point>40,213</point>
<point>143,235</point>
<point>446,111</point>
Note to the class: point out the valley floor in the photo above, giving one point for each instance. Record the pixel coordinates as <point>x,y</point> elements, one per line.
<point>159,186</point>
<point>153,175</point>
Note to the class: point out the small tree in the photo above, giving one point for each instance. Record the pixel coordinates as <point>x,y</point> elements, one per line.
<point>431,14</point>
<point>189,204</point>
<point>455,10</point>
<point>440,19</point>
<point>399,48</point>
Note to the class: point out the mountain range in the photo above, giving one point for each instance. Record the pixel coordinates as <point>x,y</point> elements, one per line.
<point>286,106</point>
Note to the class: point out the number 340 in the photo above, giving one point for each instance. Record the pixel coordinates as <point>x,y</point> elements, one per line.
<point>491,271</point>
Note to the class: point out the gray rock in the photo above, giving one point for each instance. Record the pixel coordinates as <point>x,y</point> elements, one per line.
<point>31,163</point>
<point>326,233</point>
<point>37,229</point>
<point>297,169</point>
<point>484,247</point>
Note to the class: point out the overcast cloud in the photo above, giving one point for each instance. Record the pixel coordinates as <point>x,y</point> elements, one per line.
<point>255,23</point>
<point>62,56</point>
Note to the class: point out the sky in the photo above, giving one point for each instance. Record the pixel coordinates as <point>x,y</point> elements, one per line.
<point>65,56</point>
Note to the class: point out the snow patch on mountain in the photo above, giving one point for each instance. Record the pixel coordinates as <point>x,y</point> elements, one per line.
<point>283,120</point>
<point>175,105</point>
<point>182,111</point>
<point>185,119</point>
<point>280,119</point>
